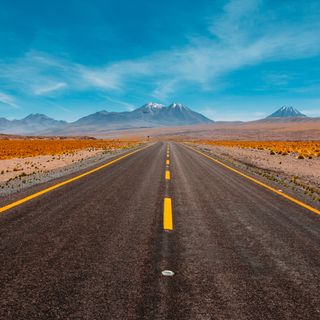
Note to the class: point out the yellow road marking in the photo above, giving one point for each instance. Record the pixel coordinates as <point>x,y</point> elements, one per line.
<point>167,175</point>
<point>167,162</point>
<point>168,155</point>
<point>37,194</point>
<point>280,193</point>
<point>167,214</point>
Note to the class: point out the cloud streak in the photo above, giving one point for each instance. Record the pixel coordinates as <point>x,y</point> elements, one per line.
<point>241,35</point>
<point>8,100</point>
<point>49,88</point>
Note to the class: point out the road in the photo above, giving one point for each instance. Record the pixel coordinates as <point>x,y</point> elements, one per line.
<point>96,248</point>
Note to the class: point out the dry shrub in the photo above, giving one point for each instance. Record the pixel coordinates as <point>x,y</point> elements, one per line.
<point>307,149</point>
<point>30,148</point>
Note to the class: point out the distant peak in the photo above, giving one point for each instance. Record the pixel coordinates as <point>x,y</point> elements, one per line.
<point>286,111</point>
<point>37,116</point>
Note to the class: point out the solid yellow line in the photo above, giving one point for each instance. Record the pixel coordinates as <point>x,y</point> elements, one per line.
<point>167,214</point>
<point>167,175</point>
<point>304,205</point>
<point>37,194</point>
<point>167,162</point>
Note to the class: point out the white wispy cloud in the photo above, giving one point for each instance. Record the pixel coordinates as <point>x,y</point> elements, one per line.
<point>128,106</point>
<point>243,34</point>
<point>37,73</point>
<point>164,89</point>
<point>113,76</point>
<point>41,90</point>
<point>8,100</point>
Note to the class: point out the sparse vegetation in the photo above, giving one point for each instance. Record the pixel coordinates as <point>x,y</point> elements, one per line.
<point>301,149</point>
<point>30,148</point>
<point>275,161</point>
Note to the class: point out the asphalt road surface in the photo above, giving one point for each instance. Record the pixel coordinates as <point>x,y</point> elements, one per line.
<point>96,248</point>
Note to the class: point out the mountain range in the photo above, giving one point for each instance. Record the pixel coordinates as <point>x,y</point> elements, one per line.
<point>33,123</point>
<point>149,115</point>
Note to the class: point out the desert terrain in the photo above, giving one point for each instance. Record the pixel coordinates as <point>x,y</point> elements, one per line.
<point>26,161</point>
<point>293,167</point>
<point>264,131</point>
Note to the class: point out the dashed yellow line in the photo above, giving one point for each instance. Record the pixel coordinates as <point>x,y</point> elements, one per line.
<point>300,203</point>
<point>167,214</point>
<point>167,162</point>
<point>168,175</point>
<point>56,186</point>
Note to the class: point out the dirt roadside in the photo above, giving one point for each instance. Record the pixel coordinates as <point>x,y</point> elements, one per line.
<point>294,176</point>
<point>21,173</point>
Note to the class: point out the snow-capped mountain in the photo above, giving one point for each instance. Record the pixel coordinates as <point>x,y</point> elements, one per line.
<point>149,115</point>
<point>175,114</point>
<point>153,106</point>
<point>177,106</point>
<point>285,112</point>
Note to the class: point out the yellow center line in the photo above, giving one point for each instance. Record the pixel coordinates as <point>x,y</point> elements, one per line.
<point>167,175</point>
<point>167,162</point>
<point>167,214</point>
<point>58,185</point>
<point>300,203</point>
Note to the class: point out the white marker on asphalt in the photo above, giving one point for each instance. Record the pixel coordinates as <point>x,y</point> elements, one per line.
<point>167,273</point>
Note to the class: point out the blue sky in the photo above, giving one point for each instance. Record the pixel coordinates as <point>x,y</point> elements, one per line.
<point>231,60</point>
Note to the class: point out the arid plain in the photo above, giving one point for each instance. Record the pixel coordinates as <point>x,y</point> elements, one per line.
<point>283,153</point>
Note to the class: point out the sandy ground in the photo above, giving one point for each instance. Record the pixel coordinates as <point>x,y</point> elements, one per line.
<point>283,131</point>
<point>298,175</point>
<point>308,169</point>
<point>21,173</point>
<point>19,167</point>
